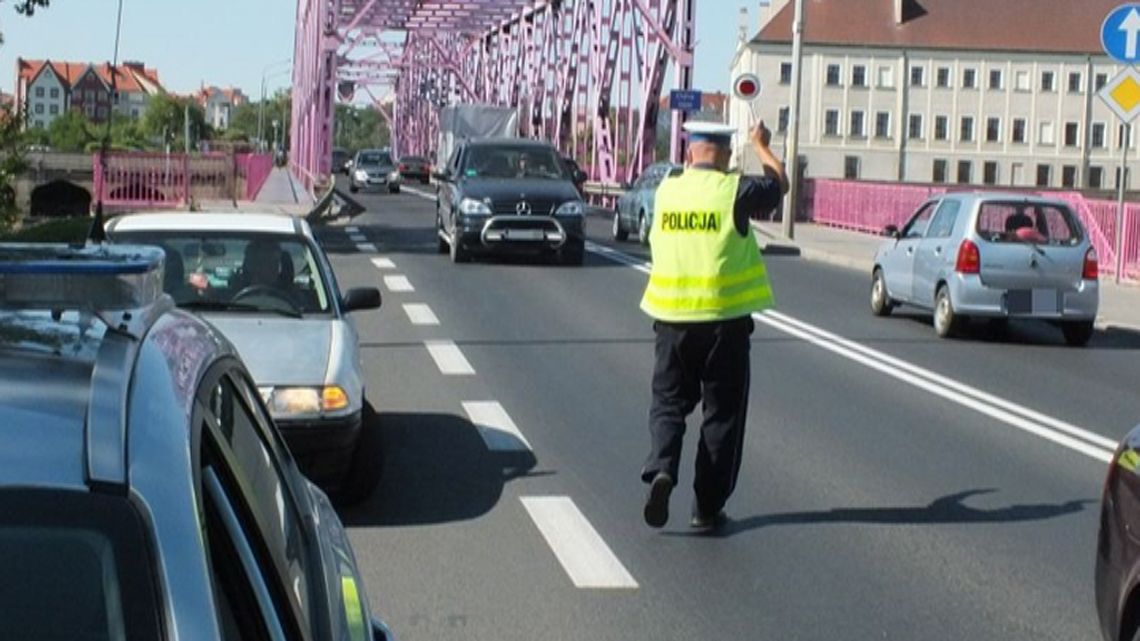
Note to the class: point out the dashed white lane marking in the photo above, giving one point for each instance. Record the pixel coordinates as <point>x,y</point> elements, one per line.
<point>499,432</point>
<point>1020,417</point>
<point>352,230</point>
<point>366,248</point>
<point>420,314</point>
<point>421,194</point>
<point>383,263</point>
<point>398,283</point>
<point>448,358</point>
<point>583,554</point>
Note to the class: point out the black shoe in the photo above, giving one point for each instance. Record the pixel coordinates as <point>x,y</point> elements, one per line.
<point>709,522</point>
<point>657,503</point>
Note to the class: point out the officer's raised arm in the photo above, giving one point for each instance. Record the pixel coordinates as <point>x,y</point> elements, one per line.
<point>761,139</point>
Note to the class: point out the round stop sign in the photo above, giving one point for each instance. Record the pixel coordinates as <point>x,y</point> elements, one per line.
<point>747,87</point>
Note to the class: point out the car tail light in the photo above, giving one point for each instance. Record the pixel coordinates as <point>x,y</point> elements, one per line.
<point>969,258</point>
<point>1092,268</point>
<point>403,167</point>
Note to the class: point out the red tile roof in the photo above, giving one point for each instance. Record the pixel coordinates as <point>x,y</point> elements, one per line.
<point>129,77</point>
<point>1034,26</point>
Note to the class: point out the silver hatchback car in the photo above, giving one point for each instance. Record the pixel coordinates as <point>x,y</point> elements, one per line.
<point>144,490</point>
<point>990,255</point>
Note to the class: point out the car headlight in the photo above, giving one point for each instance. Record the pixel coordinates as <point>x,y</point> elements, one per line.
<point>394,177</point>
<point>472,207</point>
<point>361,174</point>
<point>300,401</point>
<point>571,208</point>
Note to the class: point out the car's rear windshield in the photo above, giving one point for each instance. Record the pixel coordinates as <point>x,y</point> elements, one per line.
<point>75,565</point>
<point>1032,222</point>
<point>375,158</point>
<point>415,159</point>
<point>494,161</point>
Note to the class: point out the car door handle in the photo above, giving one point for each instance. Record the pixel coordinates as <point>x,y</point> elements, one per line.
<point>937,251</point>
<point>910,251</point>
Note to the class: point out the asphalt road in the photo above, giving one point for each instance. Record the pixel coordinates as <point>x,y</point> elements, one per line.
<point>895,485</point>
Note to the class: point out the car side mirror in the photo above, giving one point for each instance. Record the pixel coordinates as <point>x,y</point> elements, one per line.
<point>380,632</point>
<point>891,231</point>
<point>580,176</point>
<point>441,176</point>
<point>359,298</point>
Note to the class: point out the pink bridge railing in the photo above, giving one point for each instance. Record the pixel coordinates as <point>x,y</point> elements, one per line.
<point>135,180</point>
<point>255,169</point>
<point>869,207</point>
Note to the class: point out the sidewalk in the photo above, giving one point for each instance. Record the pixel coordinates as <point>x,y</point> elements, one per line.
<point>279,195</point>
<point>1119,304</point>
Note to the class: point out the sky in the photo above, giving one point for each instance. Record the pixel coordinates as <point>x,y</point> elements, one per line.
<point>232,42</point>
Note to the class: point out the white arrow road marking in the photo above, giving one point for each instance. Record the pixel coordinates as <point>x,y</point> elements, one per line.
<point>583,554</point>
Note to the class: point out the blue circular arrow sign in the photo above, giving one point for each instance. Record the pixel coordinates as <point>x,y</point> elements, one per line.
<point>1120,34</point>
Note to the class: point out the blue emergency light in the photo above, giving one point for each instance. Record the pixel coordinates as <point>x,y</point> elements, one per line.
<point>102,277</point>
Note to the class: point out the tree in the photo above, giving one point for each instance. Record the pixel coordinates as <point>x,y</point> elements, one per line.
<point>70,131</point>
<point>12,147</point>
<point>164,120</point>
<point>360,128</point>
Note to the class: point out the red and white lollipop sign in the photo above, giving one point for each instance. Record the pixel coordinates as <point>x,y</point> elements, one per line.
<point>747,88</point>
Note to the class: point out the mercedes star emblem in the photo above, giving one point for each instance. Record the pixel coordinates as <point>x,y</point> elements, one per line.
<point>522,208</point>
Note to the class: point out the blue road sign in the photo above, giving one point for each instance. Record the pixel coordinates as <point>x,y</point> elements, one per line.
<point>685,100</point>
<point>1120,33</point>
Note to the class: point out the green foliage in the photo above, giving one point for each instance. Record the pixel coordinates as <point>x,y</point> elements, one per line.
<point>164,121</point>
<point>64,230</point>
<point>360,128</point>
<point>244,119</point>
<point>70,131</point>
<point>12,164</point>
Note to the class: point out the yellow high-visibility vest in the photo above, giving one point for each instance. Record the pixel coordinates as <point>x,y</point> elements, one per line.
<point>703,269</point>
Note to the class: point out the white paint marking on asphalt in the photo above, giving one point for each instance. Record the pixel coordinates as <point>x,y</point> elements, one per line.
<point>358,238</point>
<point>366,248</point>
<point>1057,431</point>
<point>448,358</point>
<point>416,192</point>
<point>383,263</point>
<point>583,554</point>
<point>398,283</point>
<point>352,230</point>
<point>499,432</point>
<point>420,314</point>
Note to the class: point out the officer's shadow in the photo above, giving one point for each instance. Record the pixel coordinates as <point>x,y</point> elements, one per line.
<point>944,510</point>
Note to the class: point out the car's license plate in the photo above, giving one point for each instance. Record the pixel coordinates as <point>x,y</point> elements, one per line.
<point>523,234</point>
<point>1032,301</point>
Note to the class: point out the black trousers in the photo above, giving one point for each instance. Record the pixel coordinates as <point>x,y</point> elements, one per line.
<point>707,363</point>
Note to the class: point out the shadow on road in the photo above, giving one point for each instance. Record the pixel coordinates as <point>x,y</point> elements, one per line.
<point>437,469</point>
<point>1032,332</point>
<point>949,509</point>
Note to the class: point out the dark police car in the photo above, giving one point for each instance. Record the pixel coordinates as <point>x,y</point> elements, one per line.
<point>509,195</point>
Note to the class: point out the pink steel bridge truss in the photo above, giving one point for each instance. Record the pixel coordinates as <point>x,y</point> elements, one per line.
<point>586,75</point>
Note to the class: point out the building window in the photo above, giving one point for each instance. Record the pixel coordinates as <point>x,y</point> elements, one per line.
<point>39,107</point>
<point>831,122</point>
<point>1123,137</point>
<point>1071,131</point>
<point>53,110</point>
<point>964,167</point>
<point>135,116</point>
<point>918,76</point>
<point>1019,130</point>
<point>969,78</point>
<point>1048,81</point>
<point>995,79</point>
<point>89,110</point>
<point>990,172</point>
<point>857,125</point>
<point>1046,135</point>
<point>1096,177</point>
<point>1043,172</point>
<point>39,124</point>
<point>39,92</point>
<point>914,128</point>
<point>1101,81</point>
<point>942,77</point>
<point>858,76</point>
<point>939,171</point>
<point>89,95</point>
<point>1098,135</point>
<point>883,124</point>
<point>1022,81</point>
<point>1074,82</point>
<point>833,76</point>
<point>781,125</point>
<point>1069,176</point>
<point>993,129</point>
<point>1117,174</point>
<point>967,130</point>
<point>785,73</point>
<point>851,167</point>
<point>101,113</point>
<point>55,92</point>
<point>886,77</point>
<point>941,128</point>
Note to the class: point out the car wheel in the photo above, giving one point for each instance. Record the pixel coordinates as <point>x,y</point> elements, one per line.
<point>367,464</point>
<point>1077,333</point>
<point>393,189</point>
<point>947,322</point>
<point>620,233</point>
<point>458,253</point>
<point>353,188</point>
<point>573,253</point>
<point>642,229</point>
<point>881,303</point>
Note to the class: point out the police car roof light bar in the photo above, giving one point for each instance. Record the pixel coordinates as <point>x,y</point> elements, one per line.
<point>99,278</point>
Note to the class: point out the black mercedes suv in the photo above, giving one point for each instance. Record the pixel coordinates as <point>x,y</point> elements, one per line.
<point>509,195</point>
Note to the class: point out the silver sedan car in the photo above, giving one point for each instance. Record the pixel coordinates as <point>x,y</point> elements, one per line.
<point>634,210</point>
<point>990,255</point>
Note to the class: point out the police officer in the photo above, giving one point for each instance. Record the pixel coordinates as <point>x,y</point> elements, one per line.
<point>707,280</point>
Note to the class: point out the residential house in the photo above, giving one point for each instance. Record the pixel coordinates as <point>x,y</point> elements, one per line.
<point>219,104</point>
<point>45,89</point>
<point>943,91</point>
<point>41,91</point>
<point>91,95</point>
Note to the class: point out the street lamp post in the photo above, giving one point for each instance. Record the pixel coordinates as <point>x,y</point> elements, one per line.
<point>792,149</point>
<point>265,75</point>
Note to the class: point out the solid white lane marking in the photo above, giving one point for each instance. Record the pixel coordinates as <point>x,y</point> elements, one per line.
<point>420,314</point>
<point>576,544</point>
<point>499,432</point>
<point>1057,431</point>
<point>366,248</point>
<point>383,263</point>
<point>398,283</point>
<point>448,358</point>
<point>416,192</point>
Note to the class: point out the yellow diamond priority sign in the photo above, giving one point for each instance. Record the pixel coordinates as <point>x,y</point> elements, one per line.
<point>1122,94</point>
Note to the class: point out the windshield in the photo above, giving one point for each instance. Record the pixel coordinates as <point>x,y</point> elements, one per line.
<point>1013,222</point>
<point>374,158</point>
<point>239,272</point>
<point>513,162</point>
<point>413,159</point>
